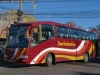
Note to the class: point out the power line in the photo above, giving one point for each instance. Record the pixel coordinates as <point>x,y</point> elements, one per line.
<point>79,6</point>
<point>6,8</point>
<point>32,1</point>
<point>69,1</point>
<point>81,14</point>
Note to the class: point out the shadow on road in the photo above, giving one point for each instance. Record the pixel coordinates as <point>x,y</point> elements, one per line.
<point>96,60</point>
<point>14,65</point>
<point>82,73</point>
<point>95,63</point>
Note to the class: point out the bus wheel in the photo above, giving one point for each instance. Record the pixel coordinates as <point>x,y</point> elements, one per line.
<point>86,57</point>
<point>49,60</point>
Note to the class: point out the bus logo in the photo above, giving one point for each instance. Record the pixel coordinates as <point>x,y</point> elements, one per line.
<point>66,43</point>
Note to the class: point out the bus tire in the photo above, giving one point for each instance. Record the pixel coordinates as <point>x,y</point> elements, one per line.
<point>86,58</point>
<point>49,60</point>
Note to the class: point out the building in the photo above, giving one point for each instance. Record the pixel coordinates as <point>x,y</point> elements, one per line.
<point>9,17</point>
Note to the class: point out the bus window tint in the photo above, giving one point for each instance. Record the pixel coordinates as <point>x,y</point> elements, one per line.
<point>62,32</point>
<point>75,34</point>
<point>84,35</point>
<point>34,39</point>
<point>47,32</point>
<point>92,36</point>
<point>17,38</point>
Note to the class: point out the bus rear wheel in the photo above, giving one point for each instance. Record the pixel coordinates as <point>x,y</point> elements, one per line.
<point>86,57</point>
<point>49,60</point>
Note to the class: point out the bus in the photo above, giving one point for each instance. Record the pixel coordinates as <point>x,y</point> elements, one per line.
<point>47,42</point>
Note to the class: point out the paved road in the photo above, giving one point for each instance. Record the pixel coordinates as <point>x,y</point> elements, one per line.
<point>67,68</point>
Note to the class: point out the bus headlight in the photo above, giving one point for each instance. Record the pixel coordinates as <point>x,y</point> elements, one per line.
<point>23,56</point>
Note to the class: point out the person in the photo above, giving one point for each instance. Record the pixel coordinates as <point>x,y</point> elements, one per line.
<point>47,35</point>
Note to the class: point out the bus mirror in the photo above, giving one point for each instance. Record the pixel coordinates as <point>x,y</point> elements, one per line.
<point>27,33</point>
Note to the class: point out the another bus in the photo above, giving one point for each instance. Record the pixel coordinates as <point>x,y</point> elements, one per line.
<point>48,42</point>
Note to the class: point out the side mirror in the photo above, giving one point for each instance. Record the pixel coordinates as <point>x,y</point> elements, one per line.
<point>27,33</point>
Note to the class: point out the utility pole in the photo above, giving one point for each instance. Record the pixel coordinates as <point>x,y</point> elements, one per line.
<point>19,12</point>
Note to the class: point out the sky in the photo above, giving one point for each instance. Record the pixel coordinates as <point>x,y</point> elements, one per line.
<point>84,14</point>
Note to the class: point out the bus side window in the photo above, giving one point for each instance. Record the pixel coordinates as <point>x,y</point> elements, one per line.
<point>74,34</point>
<point>62,32</point>
<point>84,35</point>
<point>92,36</point>
<point>47,32</point>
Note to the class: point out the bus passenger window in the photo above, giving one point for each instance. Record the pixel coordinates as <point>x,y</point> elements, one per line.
<point>84,35</point>
<point>63,32</point>
<point>47,32</point>
<point>92,36</point>
<point>75,34</point>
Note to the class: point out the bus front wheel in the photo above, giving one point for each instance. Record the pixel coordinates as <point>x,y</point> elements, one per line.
<point>86,57</point>
<point>49,60</point>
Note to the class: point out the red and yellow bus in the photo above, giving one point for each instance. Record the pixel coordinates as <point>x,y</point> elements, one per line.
<point>48,42</point>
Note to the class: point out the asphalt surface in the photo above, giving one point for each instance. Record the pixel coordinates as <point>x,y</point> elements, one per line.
<point>64,68</point>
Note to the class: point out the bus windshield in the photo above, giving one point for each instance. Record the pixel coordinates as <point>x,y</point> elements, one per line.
<point>17,38</point>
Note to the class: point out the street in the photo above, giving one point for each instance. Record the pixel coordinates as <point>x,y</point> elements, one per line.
<point>65,68</point>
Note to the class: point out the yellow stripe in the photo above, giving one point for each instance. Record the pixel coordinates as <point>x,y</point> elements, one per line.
<point>91,49</point>
<point>69,57</point>
<point>23,50</point>
<point>43,61</point>
<point>65,56</point>
<point>27,34</point>
<point>73,57</point>
<point>79,57</point>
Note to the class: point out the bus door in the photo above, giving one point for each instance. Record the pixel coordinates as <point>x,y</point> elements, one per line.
<point>34,37</point>
<point>32,52</point>
<point>95,45</point>
<point>38,40</point>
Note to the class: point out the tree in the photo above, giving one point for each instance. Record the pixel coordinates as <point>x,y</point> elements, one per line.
<point>71,23</point>
<point>79,27</point>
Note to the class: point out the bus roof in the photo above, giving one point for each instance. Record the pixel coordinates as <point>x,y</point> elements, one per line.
<point>48,22</point>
